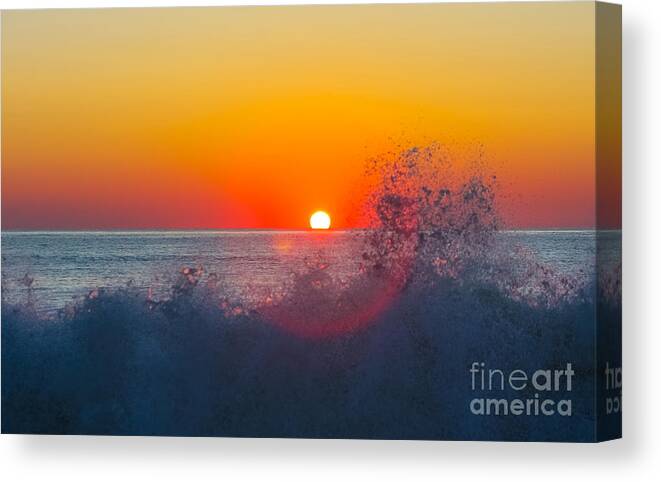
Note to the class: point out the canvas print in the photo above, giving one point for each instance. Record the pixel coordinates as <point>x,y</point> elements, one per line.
<point>367,221</point>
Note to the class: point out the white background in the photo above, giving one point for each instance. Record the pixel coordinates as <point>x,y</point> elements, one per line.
<point>636,457</point>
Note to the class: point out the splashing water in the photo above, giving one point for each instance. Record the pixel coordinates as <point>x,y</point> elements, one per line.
<point>369,352</point>
<point>426,222</point>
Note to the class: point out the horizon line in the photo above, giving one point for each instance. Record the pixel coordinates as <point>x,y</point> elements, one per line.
<point>154,229</point>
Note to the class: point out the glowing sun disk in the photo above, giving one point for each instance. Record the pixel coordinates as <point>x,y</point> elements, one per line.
<point>320,220</point>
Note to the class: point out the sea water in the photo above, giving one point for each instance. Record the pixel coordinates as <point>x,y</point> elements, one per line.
<point>60,266</point>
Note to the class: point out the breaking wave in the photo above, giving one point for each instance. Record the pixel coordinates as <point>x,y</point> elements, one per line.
<point>377,354</point>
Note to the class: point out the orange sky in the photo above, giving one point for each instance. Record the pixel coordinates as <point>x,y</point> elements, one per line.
<point>258,116</point>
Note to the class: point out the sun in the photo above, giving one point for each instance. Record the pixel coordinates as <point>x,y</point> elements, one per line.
<point>320,220</point>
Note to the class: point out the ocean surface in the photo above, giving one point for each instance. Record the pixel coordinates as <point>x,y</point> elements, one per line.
<point>60,266</point>
<point>345,352</point>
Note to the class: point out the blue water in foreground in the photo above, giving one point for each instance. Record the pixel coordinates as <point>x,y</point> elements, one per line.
<point>175,354</point>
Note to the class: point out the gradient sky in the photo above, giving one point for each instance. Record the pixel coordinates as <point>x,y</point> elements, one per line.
<point>258,116</point>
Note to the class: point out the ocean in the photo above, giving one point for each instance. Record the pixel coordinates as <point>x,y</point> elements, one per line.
<point>65,265</point>
<point>340,334</point>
